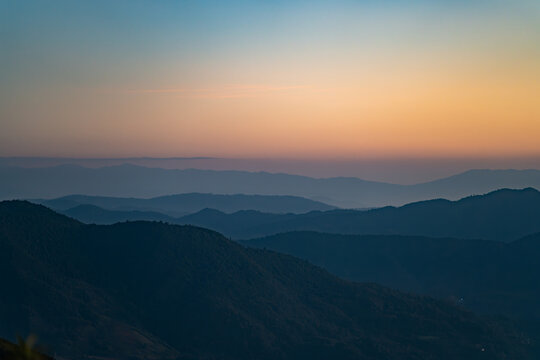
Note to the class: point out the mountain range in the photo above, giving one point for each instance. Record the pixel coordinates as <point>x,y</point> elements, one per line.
<point>183,204</point>
<point>502,215</point>
<point>148,290</point>
<point>345,192</point>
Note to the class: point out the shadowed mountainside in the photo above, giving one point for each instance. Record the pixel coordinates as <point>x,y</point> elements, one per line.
<point>346,192</point>
<point>485,276</point>
<point>147,290</point>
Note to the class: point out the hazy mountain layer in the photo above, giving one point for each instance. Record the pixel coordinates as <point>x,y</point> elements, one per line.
<point>182,204</point>
<point>136,181</point>
<point>154,291</point>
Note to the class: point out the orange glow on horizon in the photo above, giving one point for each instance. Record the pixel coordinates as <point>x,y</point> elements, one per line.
<point>404,82</point>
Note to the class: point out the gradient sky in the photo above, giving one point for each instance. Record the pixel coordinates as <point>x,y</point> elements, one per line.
<point>284,79</point>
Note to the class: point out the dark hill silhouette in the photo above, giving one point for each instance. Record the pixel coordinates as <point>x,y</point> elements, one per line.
<point>183,204</point>
<point>502,215</point>
<point>23,350</point>
<point>489,276</point>
<point>147,290</point>
<point>345,192</point>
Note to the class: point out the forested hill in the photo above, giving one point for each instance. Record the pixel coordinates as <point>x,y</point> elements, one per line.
<point>485,276</point>
<point>144,290</point>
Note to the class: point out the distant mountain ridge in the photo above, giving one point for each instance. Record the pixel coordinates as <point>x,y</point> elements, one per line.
<point>90,214</point>
<point>346,192</point>
<point>502,215</point>
<point>145,290</point>
<point>182,204</point>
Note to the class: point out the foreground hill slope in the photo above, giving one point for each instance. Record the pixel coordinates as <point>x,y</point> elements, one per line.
<point>502,215</point>
<point>154,291</point>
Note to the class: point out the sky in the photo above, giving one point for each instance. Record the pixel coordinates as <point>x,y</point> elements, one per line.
<point>311,80</point>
